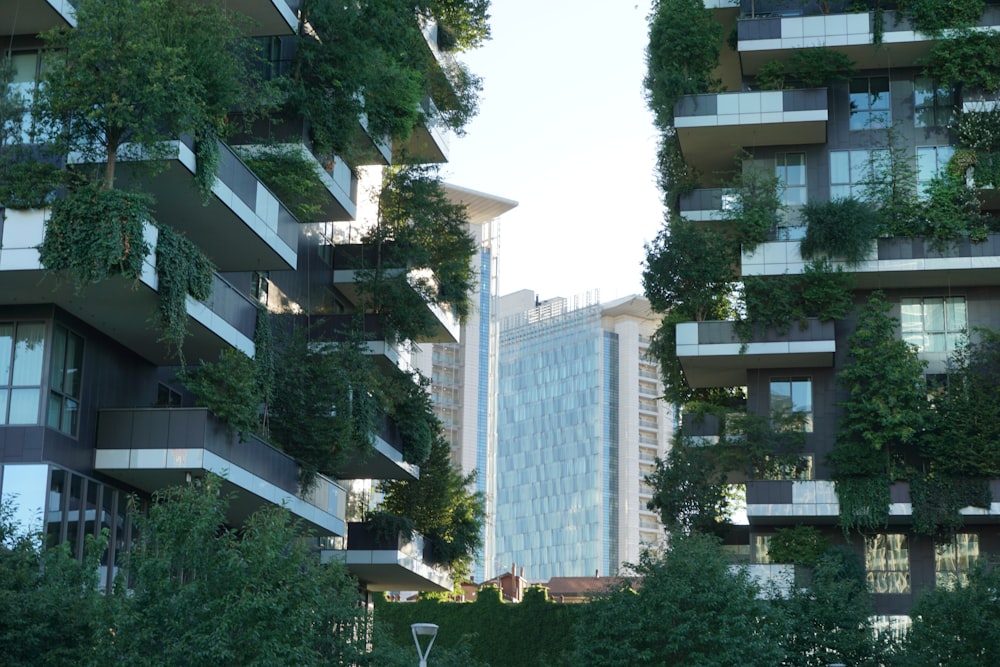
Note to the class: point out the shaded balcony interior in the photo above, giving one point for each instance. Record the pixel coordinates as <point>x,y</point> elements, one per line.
<point>37,16</point>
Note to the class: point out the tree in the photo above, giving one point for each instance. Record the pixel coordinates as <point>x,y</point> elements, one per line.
<point>688,608</point>
<point>884,416</point>
<point>830,620</point>
<point>140,72</point>
<point>196,593</point>
<point>689,490</point>
<point>958,627</point>
<point>49,602</point>
<point>441,507</point>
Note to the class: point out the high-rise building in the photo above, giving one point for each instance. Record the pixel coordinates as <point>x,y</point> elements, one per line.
<point>837,103</point>
<point>91,408</point>
<point>579,427</point>
<point>463,375</point>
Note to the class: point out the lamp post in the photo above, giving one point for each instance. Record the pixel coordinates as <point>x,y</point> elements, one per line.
<point>426,629</point>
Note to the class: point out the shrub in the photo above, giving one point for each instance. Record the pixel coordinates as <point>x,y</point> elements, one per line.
<point>841,229</point>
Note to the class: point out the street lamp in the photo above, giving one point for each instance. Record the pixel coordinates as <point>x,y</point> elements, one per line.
<point>426,629</point>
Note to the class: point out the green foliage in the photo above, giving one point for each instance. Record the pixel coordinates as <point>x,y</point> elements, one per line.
<point>93,234</point>
<point>325,403</point>
<point>229,388</point>
<point>965,438</point>
<point>935,17</point>
<point>818,67</point>
<point>466,22</point>
<point>369,58</point>
<point>683,52</point>
<point>482,630</point>
<point>757,209</point>
<point>27,183</point>
<point>689,490</point>
<point>442,508</point>
<point>140,73</point>
<point>801,545</point>
<point>674,175</point>
<point>292,177</point>
<point>181,269</point>
<point>937,499</point>
<point>889,187</point>
<point>771,75</point>
<point>691,609</point>
<point>958,627</point>
<point>408,402</point>
<point>775,302</point>
<point>843,229</point>
<point>690,271</point>
<point>952,212</point>
<point>830,621</point>
<point>200,594</point>
<point>979,133</point>
<point>967,59</point>
<point>884,416</point>
<point>49,602</point>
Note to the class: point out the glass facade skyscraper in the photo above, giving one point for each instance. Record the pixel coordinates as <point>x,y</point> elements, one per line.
<point>568,422</point>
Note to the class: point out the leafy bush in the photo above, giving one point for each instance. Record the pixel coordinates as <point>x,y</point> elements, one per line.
<point>771,75</point>
<point>801,545</point>
<point>292,178</point>
<point>934,17</point>
<point>817,67</point>
<point>228,387</point>
<point>969,59</point>
<point>94,234</point>
<point>840,229</point>
<point>28,183</point>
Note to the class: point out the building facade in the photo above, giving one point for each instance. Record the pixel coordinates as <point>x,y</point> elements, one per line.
<point>579,427</point>
<point>463,375</point>
<point>91,407</point>
<point>885,122</point>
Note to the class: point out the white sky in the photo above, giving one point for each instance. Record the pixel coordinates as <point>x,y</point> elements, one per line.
<point>563,129</point>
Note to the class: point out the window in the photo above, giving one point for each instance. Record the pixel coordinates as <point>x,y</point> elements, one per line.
<point>870,103</point>
<point>887,563</point>
<point>930,161</point>
<point>793,396</point>
<point>762,549</point>
<point>21,354</point>
<point>933,105</point>
<point>953,559</point>
<point>790,168</point>
<point>64,380</point>
<point>934,324</point>
<point>853,172</point>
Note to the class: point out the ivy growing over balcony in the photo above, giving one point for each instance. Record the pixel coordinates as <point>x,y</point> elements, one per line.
<point>181,269</point>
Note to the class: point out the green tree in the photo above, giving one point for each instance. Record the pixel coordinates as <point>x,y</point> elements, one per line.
<point>441,507</point>
<point>49,601</point>
<point>195,593</point>
<point>958,627</point>
<point>139,73</point>
<point>689,490</point>
<point>690,610</point>
<point>884,416</point>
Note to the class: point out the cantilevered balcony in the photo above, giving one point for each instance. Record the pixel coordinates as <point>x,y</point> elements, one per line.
<point>32,17</point>
<point>334,174</point>
<point>712,354</point>
<point>713,128</point>
<point>894,263</point>
<point>351,260</point>
<point>428,143</point>
<point>384,461</point>
<point>241,227</point>
<point>786,501</point>
<point>394,564</point>
<point>150,449</point>
<point>708,204</point>
<point>774,30</point>
<point>389,354</point>
<point>121,308</point>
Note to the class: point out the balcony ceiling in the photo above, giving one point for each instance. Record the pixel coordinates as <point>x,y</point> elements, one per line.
<point>31,17</point>
<point>730,370</point>
<point>714,149</point>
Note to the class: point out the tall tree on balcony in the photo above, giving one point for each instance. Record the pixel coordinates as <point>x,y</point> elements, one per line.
<point>137,74</point>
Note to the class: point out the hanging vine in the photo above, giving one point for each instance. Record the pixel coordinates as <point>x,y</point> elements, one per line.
<point>182,269</point>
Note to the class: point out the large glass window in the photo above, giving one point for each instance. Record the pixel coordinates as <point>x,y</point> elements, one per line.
<point>790,168</point>
<point>852,173</point>
<point>64,380</point>
<point>931,160</point>
<point>21,356</point>
<point>953,559</point>
<point>793,396</point>
<point>887,563</point>
<point>870,103</point>
<point>934,324</point>
<point>933,104</point>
